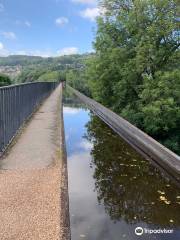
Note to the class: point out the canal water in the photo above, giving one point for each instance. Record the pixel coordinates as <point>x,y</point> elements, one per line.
<point>113,189</point>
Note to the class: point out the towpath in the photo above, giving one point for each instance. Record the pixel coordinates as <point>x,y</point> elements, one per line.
<point>30,178</point>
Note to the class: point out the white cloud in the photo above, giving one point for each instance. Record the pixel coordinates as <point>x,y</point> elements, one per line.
<point>1,46</point>
<point>1,7</point>
<point>3,52</point>
<point>23,23</point>
<point>67,51</point>
<point>61,21</point>
<point>21,52</point>
<point>70,110</point>
<point>45,53</point>
<point>9,35</point>
<point>85,1</point>
<point>90,13</point>
<point>27,23</point>
<point>86,145</point>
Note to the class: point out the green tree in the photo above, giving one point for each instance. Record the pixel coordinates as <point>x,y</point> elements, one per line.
<point>50,76</point>
<point>4,80</point>
<point>135,71</point>
<point>77,79</point>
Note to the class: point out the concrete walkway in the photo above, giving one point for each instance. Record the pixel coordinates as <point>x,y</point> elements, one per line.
<point>30,178</point>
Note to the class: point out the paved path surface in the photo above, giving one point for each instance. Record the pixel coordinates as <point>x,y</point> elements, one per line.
<point>30,179</point>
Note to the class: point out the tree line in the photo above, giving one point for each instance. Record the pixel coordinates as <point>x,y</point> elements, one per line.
<point>135,69</point>
<point>35,68</point>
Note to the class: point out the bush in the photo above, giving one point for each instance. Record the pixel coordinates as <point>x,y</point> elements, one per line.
<point>4,80</point>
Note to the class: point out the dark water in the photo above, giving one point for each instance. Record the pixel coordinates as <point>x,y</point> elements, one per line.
<point>112,189</point>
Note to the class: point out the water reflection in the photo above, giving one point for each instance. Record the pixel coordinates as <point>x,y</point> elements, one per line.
<point>127,185</point>
<point>112,189</point>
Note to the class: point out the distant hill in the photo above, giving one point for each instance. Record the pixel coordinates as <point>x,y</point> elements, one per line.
<point>24,60</point>
<point>22,68</point>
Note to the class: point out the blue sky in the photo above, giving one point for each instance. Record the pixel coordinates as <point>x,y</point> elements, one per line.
<point>47,27</point>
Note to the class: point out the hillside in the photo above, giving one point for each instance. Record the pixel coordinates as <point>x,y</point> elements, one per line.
<point>22,68</point>
<point>23,60</point>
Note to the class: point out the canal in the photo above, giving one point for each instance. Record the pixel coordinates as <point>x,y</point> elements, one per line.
<point>112,188</point>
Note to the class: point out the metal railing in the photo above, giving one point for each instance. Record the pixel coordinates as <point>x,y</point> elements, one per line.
<point>17,103</point>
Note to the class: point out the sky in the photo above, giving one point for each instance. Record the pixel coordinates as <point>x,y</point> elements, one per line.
<point>47,27</point>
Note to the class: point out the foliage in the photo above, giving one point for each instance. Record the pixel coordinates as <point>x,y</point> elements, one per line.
<point>4,80</point>
<point>22,60</point>
<point>50,76</point>
<point>135,70</point>
<point>30,74</point>
<point>77,79</point>
<point>45,69</point>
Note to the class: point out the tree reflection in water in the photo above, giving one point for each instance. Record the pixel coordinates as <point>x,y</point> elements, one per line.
<point>128,186</point>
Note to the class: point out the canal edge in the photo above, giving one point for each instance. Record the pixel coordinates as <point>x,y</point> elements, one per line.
<point>65,232</point>
<point>161,157</point>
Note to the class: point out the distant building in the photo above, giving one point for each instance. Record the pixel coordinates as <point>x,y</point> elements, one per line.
<point>11,71</point>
